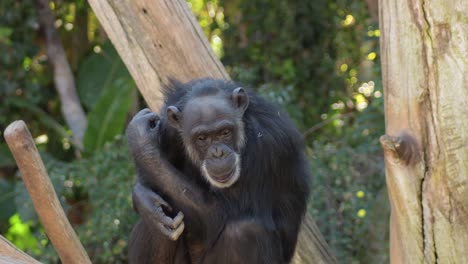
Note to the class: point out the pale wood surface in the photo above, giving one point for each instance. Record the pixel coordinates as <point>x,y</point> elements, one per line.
<point>161,39</point>
<point>158,40</point>
<point>43,195</point>
<point>424,47</point>
<point>9,254</point>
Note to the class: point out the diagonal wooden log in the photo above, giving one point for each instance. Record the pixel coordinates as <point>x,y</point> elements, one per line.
<point>9,254</point>
<point>43,195</point>
<point>158,40</point>
<point>161,39</point>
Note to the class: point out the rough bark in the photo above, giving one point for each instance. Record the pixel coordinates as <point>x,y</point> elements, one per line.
<point>158,40</point>
<point>43,195</point>
<point>63,77</point>
<point>424,49</point>
<point>161,39</point>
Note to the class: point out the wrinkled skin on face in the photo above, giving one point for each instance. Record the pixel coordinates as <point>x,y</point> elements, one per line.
<point>213,133</point>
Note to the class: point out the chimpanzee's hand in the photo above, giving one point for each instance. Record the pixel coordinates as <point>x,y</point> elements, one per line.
<point>142,132</point>
<point>151,208</point>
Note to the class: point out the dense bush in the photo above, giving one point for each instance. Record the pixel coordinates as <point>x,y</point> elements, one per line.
<point>317,59</point>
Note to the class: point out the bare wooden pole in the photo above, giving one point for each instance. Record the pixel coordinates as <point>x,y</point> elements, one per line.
<point>161,39</point>
<point>43,195</point>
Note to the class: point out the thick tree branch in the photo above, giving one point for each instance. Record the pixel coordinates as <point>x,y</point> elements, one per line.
<point>63,77</point>
<point>43,195</point>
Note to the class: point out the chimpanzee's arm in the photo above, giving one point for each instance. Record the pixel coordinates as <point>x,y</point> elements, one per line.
<point>157,172</point>
<point>151,207</point>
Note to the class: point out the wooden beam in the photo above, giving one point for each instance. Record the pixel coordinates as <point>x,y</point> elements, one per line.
<point>158,40</point>
<point>43,195</point>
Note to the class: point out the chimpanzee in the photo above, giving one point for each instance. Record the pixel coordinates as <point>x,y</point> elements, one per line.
<point>222,178</point>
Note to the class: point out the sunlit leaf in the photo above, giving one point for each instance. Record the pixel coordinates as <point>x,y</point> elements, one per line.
<point>20,234</point>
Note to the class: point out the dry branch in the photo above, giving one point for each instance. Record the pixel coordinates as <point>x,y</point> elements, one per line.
<point>63,77</point>
<point>43,195</point>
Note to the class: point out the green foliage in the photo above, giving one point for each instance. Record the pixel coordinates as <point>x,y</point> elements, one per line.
<point>105,88</point>
<point>99,72</point>
<point>108,117</point>
<point>300,44</point>
<point>20,234</point>
<point>6,159</point>
<point>7,204</point>
<point>96,195</point>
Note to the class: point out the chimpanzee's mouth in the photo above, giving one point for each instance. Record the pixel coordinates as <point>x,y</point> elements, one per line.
<point>223,178</point>
<point>222,170</point>
<point>222,175</point>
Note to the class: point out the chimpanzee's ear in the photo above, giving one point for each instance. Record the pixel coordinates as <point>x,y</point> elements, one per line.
<point>240,99</point>
<point>174,116</point>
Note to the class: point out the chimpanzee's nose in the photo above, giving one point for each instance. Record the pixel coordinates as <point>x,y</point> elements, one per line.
<point>218,152</point>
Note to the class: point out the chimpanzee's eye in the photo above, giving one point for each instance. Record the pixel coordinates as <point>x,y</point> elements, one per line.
<point>226,132</point>
<point>201,137</point>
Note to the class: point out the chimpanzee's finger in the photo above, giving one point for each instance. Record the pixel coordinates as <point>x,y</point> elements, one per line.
<point>162,218</point>
<point>172,234</point>
<point>176,221</point>
<point>159,201</point>
<point>143,111</point>
<point>167,207</point>
<point>147,113</point>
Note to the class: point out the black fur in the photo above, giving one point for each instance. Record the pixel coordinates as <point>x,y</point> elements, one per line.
<point>271,192</point>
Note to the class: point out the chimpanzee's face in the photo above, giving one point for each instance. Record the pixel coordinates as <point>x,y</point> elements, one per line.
<point>213,134</point>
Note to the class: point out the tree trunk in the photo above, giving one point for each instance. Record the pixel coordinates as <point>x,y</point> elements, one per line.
<point>161,39</point>
<point>424,49</point>
<point>72,111</point>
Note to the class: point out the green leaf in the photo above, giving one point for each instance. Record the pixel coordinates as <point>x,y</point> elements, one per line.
<point>97,72</point>
<point>23,202</point>
<point>6,159</point>
<point>107,119</point>
<point>5,33</point>
<point>7,200</point>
